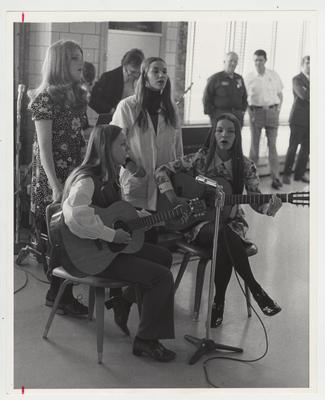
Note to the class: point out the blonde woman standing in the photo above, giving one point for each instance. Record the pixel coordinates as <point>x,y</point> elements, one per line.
<point>58,109</point>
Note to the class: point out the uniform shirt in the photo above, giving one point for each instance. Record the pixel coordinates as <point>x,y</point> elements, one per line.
<point>148,149</point>
<point>225,93</point>
<point>263,89</point>
<point>196,163</point>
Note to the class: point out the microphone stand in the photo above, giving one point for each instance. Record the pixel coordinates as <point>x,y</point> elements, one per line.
<point>21,90</point>
<point>206,345</point>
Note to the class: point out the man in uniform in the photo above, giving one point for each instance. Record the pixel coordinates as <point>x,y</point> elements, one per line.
<point>264,89</point>
<point>225,91</point>
<point>299,126</point>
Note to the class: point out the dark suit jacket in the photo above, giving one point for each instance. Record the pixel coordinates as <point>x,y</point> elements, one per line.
<point>300,109</point>
<point>107,92</point>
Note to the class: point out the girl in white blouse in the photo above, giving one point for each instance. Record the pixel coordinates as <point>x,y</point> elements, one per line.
<point>95,182</point>
<point>152,127</point>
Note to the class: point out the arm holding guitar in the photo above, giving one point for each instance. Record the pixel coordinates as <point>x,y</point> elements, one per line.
<point>81,219</point>
<point>252,187</point>
<point>274,205</point>
<point>182,164</point>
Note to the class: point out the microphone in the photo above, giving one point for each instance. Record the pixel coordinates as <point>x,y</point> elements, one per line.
<point>203,180</point>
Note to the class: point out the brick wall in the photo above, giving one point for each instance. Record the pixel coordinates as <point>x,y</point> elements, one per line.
<point>87,34</point>
<point>90,35</point>
<point>168,49</point>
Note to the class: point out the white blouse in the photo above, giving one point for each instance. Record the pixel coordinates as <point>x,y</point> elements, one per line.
<point>80,217</point>
<point>148,149</point>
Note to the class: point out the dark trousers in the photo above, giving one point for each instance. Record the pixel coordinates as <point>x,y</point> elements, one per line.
<point>231,252</point>
<point>150,236</point>
<point>298,135</point>
<point>150,268</point>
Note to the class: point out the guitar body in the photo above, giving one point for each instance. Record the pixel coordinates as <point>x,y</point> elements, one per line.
<point>185,186</point>
<point>94,256</point>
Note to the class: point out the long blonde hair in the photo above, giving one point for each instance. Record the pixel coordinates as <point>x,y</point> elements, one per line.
<point>56,77</point>
<point>98,160</point>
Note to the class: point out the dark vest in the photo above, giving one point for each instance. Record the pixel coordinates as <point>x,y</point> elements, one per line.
<point>105,194</point>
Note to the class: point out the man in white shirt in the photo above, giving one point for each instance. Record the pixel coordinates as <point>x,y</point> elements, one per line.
<point>264,90</point>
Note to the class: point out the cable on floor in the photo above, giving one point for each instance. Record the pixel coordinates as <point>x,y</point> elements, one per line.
<point>23,285</point>
<point>32,274</point>
<point>205,363</point>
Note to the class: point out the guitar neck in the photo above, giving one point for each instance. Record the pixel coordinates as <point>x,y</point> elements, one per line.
<point>154,219</point>
<point>257,198</point>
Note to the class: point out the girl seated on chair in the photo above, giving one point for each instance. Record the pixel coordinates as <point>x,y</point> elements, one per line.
<point>224,158</point>
<point>95,182</point>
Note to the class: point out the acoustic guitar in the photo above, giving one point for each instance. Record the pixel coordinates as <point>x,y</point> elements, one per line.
<point>94,256</point>
<point>185,186</point>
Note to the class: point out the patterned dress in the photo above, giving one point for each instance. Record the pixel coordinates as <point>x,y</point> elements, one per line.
<point>196,163</point>
<point>67,143</point>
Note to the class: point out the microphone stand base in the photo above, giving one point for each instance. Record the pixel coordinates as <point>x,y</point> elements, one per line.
<point>205,346</point>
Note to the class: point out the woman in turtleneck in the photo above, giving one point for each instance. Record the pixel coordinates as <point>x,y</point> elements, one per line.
<point>151,124</point>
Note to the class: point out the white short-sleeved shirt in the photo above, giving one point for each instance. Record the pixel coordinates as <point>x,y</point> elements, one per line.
<point>263,90</point>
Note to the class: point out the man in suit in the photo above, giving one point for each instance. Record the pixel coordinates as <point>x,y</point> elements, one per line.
<point>299,126</point>
<point>225,91</point>
<point>116,84</point>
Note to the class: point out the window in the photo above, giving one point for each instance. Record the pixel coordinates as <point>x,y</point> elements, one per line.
<point>285,42</point>
<point>153,27</point>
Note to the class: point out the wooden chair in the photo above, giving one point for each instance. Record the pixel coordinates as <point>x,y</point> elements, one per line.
<point>190,251</point>
<point>96,285</point>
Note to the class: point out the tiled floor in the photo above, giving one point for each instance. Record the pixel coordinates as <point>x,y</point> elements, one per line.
<point>68,358</point>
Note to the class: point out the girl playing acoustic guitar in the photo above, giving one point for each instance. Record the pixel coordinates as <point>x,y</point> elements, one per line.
<point>95,183</point>
<point>224,158</point>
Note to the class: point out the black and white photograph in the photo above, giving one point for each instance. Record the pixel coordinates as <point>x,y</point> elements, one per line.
<point>161,227</point>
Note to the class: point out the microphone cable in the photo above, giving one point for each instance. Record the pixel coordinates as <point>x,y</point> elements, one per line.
<point>207,361</point>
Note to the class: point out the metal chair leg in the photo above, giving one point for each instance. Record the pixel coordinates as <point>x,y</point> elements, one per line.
<point>248,301</point>
<point>91,302</point>
<point>100,298</point>
<point>55,307</point>
<point>199,287</point>
<point>182,269</point>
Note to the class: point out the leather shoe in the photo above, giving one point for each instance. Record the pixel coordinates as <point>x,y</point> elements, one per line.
<point>276,184</point>
<point>73,307</point>
<point>286,179</point>
<point>153,349</point>
<point>216,315</point>
<point>266,304</point>
<point>121,308</point>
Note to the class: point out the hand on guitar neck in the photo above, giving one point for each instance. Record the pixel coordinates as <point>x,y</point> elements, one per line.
<point>178,201</point>
<point>274,205</point>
